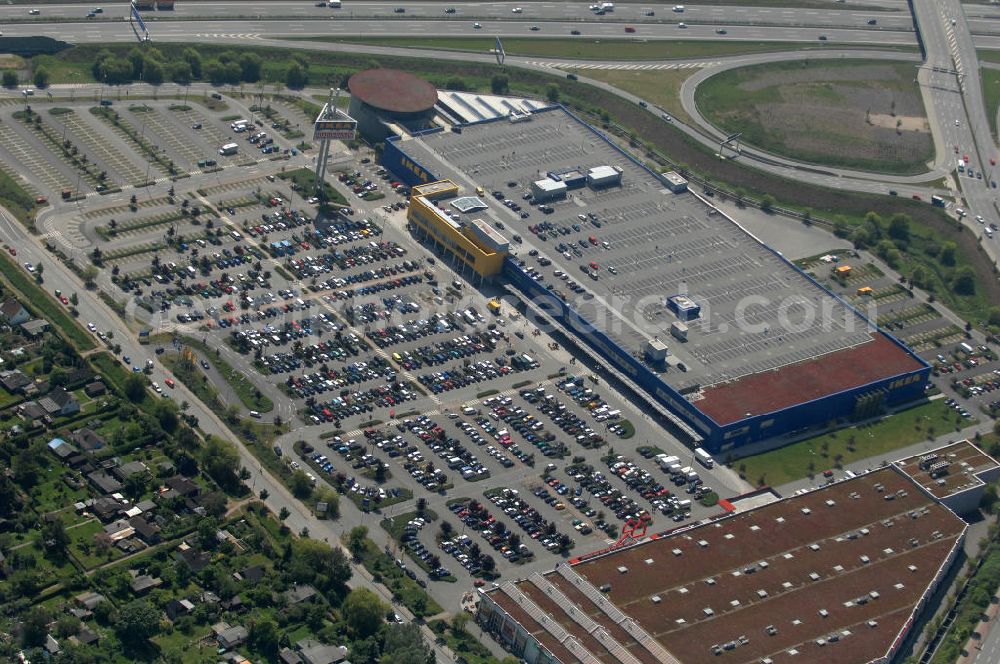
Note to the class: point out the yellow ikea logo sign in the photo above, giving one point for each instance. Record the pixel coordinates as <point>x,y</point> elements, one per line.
<point>334,125</point>
<point>411,166</point>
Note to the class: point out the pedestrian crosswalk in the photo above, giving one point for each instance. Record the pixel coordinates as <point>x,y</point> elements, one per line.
<point>623,65</point>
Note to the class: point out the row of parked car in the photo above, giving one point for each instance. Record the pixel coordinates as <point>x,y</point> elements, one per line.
<point>325,380</point>
<point>414,329</point>
<point>418,551</point>
<point>453,379</point>
<point>348,403</point>
<point>598,486</point>
<point>341,348</point>
<point>475,515</point>
<point>448,449</point>
<point>526,425</point>
<point>530,520</point>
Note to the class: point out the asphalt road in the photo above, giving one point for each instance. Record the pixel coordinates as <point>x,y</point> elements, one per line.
<point>896,18</point>
<point>175,30</point>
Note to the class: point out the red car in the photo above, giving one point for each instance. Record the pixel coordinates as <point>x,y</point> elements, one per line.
<point>965,158</point>
<point>64,299</point>
<point>12,250</point>
<point>170,383</point>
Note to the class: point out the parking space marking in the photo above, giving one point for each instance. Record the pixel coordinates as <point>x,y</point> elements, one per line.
<point>29,157</point>
<point>109,156</point>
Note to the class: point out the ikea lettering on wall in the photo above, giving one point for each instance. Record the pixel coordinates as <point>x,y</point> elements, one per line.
<point>416,170</point>
<point>338,130</point>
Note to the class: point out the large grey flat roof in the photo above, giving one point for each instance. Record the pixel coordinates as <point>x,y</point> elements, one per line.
<point>660,243</point>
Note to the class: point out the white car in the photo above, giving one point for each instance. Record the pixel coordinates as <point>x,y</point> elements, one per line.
<point>157,388</point>
<point>980,219</point>
<point>91,327</point>
<point>517,10</point>
<point>476,26</point>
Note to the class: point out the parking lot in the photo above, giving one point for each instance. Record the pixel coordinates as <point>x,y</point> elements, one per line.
<point>396,381</point>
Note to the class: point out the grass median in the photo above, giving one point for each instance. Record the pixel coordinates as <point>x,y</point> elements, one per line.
<point>34,297</point>
<point>585,48</point>
<point>245,390</point>
<point>877,441</point>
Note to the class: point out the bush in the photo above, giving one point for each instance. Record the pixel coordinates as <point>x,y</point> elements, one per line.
<point>10,79</point>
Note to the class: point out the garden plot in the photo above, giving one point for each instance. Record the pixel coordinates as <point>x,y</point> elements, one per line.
<point>97,143</point>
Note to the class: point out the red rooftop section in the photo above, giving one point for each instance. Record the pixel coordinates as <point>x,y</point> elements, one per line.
<point>836,575</point>
<point>770,391</point>
<point>393,90</point>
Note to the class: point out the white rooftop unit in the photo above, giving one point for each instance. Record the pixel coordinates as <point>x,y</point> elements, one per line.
<point>603,176</point>
<point>489,236</point>
<point>547,189</point>
<point>675,182</point>
<point>656,351</point>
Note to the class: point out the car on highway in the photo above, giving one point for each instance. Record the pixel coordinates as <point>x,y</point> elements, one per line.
<point>872,21</point>
<point>534,28</point>
<point>574,32</point>
<point>399,10</point>
<point>682,25</point>
<point>477,26</point>
<point>629,28</point>
<point>450,10</point>
<point>720,31</point>
<point>97,10</point>
<point>517,10</point>
<point>649,12</point>
<point>822,37</point>
<point>205,365</point>
<point>34,12</point>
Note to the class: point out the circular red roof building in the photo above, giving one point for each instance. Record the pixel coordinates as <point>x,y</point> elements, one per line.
<point>393,92</point>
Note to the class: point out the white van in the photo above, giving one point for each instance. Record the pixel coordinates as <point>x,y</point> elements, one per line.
<point>236,235</point>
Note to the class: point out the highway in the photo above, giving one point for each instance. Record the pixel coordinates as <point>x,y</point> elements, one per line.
<point>896,17</point>
<point>84,32</point>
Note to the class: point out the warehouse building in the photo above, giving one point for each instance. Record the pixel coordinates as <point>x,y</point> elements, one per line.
<point>838,575</point>
<point>757,353</point>
<point>955,474</point>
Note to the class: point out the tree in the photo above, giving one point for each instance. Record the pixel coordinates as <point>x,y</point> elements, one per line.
<point>250,65</point>
<point>284,514</point>
<point>41,77</point>
<point>455,83</point>
<point>135,388</point>
<point>356,541</point>
<point>214,503</point>
<point>300,484</point>
<point>363,612</point>
<point>193,59</point>
<point>552,94</point>
<point>264,636</point>
<point>10,79</point>
<point>767,203</point>
<point>139,621</point>
<point>499,84</point>
<point>215,72</point>
<point>34,627</point>
<point>964,282</point>
<point>180,72</point>
<point>421,505</point>
<point>404,645</point>
<point>899,228</point>
<point>74,300</point>
<point>153,72</point>
<point>221,461</point>
<point>948,252</point>
<point>296,76</point>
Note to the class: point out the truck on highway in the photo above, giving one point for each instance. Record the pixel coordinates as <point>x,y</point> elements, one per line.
<point>334,4</point>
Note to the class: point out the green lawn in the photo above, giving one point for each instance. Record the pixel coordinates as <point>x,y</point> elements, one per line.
<point>877,441</point>
<point>111,369</point>
<point>991,95</point>
<point>585,48</point>
<point>825,112</point>
<point>660,87</point>
<point>409,593</point>
<point>35,297</point>
<point>305,179</point>
<point>248,394</point>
